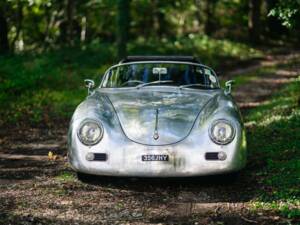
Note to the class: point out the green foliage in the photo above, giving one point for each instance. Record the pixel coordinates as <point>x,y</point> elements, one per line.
<point>274,142</point>
<point>288,11</point>
<point>38,25</point>
<point>45,87</point>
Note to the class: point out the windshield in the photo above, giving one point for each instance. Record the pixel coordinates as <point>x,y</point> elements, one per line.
<point>160,73</point>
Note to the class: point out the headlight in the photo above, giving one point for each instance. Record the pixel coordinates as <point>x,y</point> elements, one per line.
<point>222,132</point>
<point>90,132</point>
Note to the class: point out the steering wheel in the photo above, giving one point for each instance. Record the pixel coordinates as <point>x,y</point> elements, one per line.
<point>132,81</point>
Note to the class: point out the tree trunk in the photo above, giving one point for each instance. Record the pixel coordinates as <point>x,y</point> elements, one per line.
<point>123,21</point>
<point>4,44</point>
<point>19,24</point>
<point>254,20</point>
<point>83,29</point>
<point>48,21</point>
<point>198,13</point>
<point>70,13</point>
<point>209,27</point>
<point>159,18</point>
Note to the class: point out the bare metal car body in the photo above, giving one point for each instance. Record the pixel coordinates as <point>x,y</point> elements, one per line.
<point>157,130</point>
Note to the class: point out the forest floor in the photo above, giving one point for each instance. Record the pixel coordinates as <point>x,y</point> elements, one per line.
<point>36,190</point>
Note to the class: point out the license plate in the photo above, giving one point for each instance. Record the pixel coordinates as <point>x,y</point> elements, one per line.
<point>155,158</point>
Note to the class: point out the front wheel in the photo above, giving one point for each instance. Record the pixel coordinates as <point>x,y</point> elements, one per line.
<point>229,178</point>
<point>233,176</point>
<point>86,178</point>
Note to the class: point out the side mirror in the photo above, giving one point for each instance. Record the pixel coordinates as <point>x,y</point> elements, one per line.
<point>228,86</point>
<point>89,84</point>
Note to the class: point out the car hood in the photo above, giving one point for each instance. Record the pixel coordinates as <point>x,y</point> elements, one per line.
<point>169,114</point>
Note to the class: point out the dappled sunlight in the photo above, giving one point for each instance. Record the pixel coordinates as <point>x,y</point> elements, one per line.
<point>248,105</point>
<point>271,119</point>
<point>287,73</point>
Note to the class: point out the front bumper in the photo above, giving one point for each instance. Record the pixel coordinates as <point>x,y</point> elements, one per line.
<point>183,162</point>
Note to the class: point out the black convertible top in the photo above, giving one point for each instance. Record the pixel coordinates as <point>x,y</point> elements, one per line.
<point>191,59</point>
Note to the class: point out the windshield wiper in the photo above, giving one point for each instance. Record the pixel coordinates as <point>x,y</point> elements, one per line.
<point>191,85</point>
<point>154,82</point>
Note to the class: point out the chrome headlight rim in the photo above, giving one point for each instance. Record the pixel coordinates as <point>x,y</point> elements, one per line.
<point>100,126</point>
<point>230,139</point>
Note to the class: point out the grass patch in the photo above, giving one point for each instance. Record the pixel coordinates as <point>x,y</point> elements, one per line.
<point>66,176</point>
<point>43,105</point>
<point>242,79</point>
<point>43,88</point>
<point>274,147</point>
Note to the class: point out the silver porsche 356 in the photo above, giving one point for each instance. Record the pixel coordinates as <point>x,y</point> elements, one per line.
<point>156,116</point>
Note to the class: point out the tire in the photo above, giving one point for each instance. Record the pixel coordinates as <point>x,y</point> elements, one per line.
<point>86,178</point>
<point>231,177</point>
<point>227,178</point>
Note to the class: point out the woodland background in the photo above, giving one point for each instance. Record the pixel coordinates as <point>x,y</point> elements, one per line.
<point>47,48</point>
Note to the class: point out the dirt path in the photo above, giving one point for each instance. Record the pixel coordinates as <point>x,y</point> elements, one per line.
<point>256,91</point>
<point>35,190</point>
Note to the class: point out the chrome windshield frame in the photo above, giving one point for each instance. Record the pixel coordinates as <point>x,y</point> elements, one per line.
<point>153,62</point>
